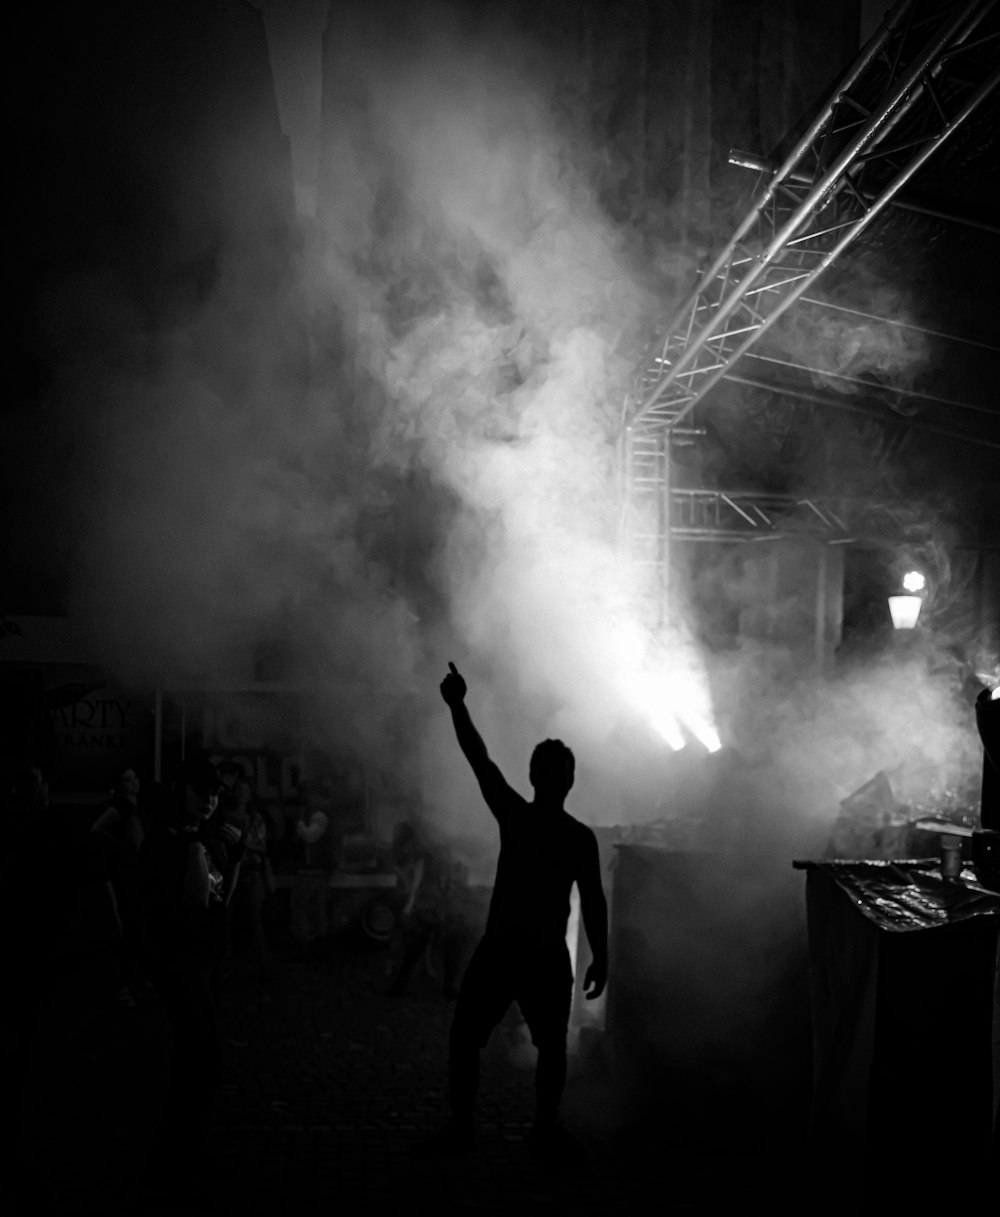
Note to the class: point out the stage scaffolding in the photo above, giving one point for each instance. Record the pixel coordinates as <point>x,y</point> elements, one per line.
<point>925,71</point>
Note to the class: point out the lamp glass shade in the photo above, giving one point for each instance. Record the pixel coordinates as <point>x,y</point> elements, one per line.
<point>905,610</point>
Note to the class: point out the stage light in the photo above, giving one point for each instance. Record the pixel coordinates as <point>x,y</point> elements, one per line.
<point>913,581</point>
<point>710,738</point>
<point>669,712</point>
<point>667,726</point>
<point>641,690</point>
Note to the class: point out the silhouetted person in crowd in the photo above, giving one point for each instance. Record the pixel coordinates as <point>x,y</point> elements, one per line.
<point>189,862</point>
<point>423,889</point>
<point>255,880</point>
<point>309,904</point>
<point>120,825</point>
<point>523,955</point>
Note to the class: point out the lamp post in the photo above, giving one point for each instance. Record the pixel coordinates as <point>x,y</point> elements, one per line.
<point>905,606</point>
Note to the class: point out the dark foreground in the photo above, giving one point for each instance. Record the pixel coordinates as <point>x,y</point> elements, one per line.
<point>330,1084</point>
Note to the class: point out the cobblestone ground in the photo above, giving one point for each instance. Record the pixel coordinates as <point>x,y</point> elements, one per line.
<point>330,1082</point>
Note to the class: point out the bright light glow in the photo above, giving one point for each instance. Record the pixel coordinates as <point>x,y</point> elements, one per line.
<point>667,702</point>
<point>995,695</point>
<point>707,734</point>
<point>913,581</point>
<point>668,727</point>
<point>645,695</point>
<point>905,610</point>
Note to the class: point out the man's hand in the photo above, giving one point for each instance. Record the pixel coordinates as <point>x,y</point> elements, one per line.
<point>453,687</point>
<point>595,980</point>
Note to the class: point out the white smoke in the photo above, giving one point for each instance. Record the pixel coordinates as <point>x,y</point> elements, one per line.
<point>397,448</point>
<point>491,295</point>
<point>458,317</point>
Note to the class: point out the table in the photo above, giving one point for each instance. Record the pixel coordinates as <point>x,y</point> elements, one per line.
<point>904,990</point>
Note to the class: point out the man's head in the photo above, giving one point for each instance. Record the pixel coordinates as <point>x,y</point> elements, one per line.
<point>552,770</point>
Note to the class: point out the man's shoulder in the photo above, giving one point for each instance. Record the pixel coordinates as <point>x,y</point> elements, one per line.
<point>581,835</point>
<point>578,826</point>
<point>504,798</point>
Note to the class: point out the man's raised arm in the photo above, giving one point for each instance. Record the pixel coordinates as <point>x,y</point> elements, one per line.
<point>491,780</point>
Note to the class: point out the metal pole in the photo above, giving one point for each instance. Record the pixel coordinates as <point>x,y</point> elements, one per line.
<point>751,160</point>
<point>820,640</point>
<point>663,604</point>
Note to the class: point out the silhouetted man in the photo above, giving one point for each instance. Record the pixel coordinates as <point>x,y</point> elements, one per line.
<point>523,956</point>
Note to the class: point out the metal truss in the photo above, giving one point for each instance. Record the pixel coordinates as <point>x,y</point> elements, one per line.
<point>748,515</point>
<point>660,515</point>
<point>923,74</point>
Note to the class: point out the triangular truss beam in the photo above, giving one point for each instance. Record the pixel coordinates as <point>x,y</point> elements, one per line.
<point>921,76</point>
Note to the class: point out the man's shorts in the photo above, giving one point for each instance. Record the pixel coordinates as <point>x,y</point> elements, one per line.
<point>539,979</point>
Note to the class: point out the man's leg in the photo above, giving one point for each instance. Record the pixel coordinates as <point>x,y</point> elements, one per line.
<point>482,1002</point>
<point>545,992</point>
<point>550,1081</point>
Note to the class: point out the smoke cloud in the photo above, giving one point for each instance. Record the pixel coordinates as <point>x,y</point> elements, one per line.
<point>859,326</point>
<point>492,295</point>
<point>395,446</point>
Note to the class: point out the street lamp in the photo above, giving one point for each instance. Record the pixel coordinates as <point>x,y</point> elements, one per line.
<point>905,607</point>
